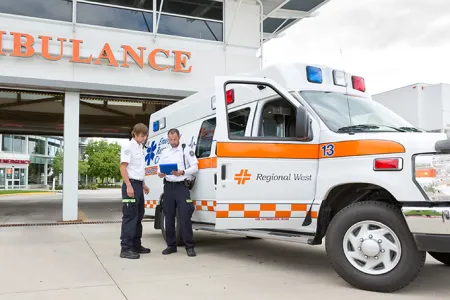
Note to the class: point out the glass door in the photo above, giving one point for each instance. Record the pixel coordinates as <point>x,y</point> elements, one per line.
<point>16,180</point>
<point>9,179</point>
<point>2,178</point>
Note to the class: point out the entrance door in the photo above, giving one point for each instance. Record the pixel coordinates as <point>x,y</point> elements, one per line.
<point>2,179</point>
<point>264,180</point>
<point>15,178</point>
<point>9,179</point>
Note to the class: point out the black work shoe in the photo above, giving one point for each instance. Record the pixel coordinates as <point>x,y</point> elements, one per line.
<point>129,254</point>
<point>169,250</point>
<point>142,250</point>
<point>191,252</point>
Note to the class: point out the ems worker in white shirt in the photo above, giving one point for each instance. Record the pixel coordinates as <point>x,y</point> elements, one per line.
<point>177,192</point>
<point>132,169</point>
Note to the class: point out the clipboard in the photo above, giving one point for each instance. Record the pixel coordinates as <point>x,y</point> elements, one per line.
<point>168,168</point>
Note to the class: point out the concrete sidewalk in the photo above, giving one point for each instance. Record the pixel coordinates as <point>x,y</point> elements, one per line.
<point>82,262</point>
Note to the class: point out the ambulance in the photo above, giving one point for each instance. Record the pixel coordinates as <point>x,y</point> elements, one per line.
<point>301,153</point>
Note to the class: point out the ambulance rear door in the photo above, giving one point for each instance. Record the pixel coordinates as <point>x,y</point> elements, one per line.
<point>263,181</point>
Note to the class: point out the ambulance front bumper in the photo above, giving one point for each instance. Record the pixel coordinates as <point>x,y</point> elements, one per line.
<point>430,227</point>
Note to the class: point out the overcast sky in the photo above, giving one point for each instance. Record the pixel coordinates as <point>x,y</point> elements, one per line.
<point>391,43</point>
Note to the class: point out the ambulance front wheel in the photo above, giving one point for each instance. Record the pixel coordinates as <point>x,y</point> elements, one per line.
<point>179,238</point>
<point>370,246</point>
<point>441,257</point>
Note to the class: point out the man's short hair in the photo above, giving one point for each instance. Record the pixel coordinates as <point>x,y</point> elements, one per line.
<point>139,129</point>
<point>173,130</point>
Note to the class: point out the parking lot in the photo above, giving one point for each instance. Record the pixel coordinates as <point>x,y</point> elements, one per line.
<point>82,262</point>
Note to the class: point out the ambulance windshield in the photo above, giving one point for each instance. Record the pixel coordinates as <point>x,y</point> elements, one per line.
<point>342,113</point>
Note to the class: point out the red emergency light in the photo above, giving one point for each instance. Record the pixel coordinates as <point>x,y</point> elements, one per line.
<point>388,164</point>
<point>230,96</point>
<point>358,83</point>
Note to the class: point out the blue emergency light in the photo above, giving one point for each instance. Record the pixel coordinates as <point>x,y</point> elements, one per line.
<point>314,74</point>
<point>155,126</point>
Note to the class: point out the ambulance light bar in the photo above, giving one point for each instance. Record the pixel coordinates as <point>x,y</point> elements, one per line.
<point>358,83</point>
<point>229,97</point>
<point>160,124</point>
<point>155,126</point>
<point>339,78</point>
<point>314,74</point>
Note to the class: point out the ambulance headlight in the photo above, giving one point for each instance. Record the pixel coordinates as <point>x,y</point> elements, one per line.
<point>432,174</point>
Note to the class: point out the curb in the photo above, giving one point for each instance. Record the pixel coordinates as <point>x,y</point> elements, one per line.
<point>27,194</point>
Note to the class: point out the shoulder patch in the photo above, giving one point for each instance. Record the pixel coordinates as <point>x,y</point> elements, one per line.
<point>127,152</point>
<point>191,153</point>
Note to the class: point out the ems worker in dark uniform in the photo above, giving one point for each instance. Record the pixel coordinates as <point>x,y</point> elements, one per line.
<point>132,169</point>
<point>176,192</point>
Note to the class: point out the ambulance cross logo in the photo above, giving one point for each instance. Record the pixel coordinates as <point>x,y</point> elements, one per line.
<point>150,153</point>
<point>242,177</point>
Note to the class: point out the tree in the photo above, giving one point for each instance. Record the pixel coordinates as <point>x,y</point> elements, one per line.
<point>58,164</point>
<point>104,159</point>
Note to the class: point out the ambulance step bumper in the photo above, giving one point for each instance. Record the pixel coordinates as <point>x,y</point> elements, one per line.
<point>430,227</point>
<point>301,238</point>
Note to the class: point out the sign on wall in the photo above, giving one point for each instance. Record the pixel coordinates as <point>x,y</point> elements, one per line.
<point>23,45</point>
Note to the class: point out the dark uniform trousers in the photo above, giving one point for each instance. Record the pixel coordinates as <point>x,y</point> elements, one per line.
<point>133,213</point>
<point>177,195</point>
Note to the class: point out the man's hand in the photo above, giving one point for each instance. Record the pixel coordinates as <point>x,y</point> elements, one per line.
<point>146,189</point>
<point>161,175</point>
<point>130,191</point>
<point>177,173</point>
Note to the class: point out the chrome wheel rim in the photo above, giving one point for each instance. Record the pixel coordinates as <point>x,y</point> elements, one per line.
<point>372,247</point>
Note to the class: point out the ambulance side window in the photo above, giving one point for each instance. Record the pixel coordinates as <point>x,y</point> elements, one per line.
<point>237,121</point>
<point>277,119</point>
<point>205,138</point>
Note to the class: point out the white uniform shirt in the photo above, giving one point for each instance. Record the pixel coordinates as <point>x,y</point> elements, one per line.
<point>133,154</point>
<point>175,156</point>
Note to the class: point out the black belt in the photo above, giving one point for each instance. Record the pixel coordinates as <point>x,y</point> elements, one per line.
<point>173,182</point>
<point>136,180</point>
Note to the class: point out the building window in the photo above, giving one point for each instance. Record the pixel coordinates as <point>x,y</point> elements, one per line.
<point>19,144</point>
<point>192,28</point>
<point>36,146</point>
<point>7,143</point>
<point>60,10</point>
<point>205,9</point>
<point>36,173</point>
<point>200,19</point>
<point>107,16</point>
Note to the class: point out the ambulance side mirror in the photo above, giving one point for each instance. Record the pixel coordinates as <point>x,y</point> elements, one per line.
<point>302,124</point>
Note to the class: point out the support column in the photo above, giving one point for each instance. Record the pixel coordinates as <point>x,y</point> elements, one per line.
<point>46,163</point>
<point>70,170</point>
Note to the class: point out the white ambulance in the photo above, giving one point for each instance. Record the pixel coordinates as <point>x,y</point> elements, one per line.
<point>301,153</point>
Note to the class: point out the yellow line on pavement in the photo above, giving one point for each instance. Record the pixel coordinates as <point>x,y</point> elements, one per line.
<point>27,194</point>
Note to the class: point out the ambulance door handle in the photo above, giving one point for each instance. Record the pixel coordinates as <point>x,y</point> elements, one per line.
<point>223,172</point>
<point>215,178</point>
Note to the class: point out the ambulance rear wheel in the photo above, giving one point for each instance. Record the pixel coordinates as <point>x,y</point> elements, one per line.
<point>441,257</point>
<point>179,238</point>
<point>370,246</point>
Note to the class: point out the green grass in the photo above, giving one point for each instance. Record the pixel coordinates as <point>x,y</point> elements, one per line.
<point>12,192</point>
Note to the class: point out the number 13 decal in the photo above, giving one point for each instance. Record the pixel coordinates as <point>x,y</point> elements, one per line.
<point>327,150</point>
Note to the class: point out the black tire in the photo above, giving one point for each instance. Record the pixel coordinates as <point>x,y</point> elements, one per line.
<point>179,238</point>
<point>411,259</point>
<point>441,257</point>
